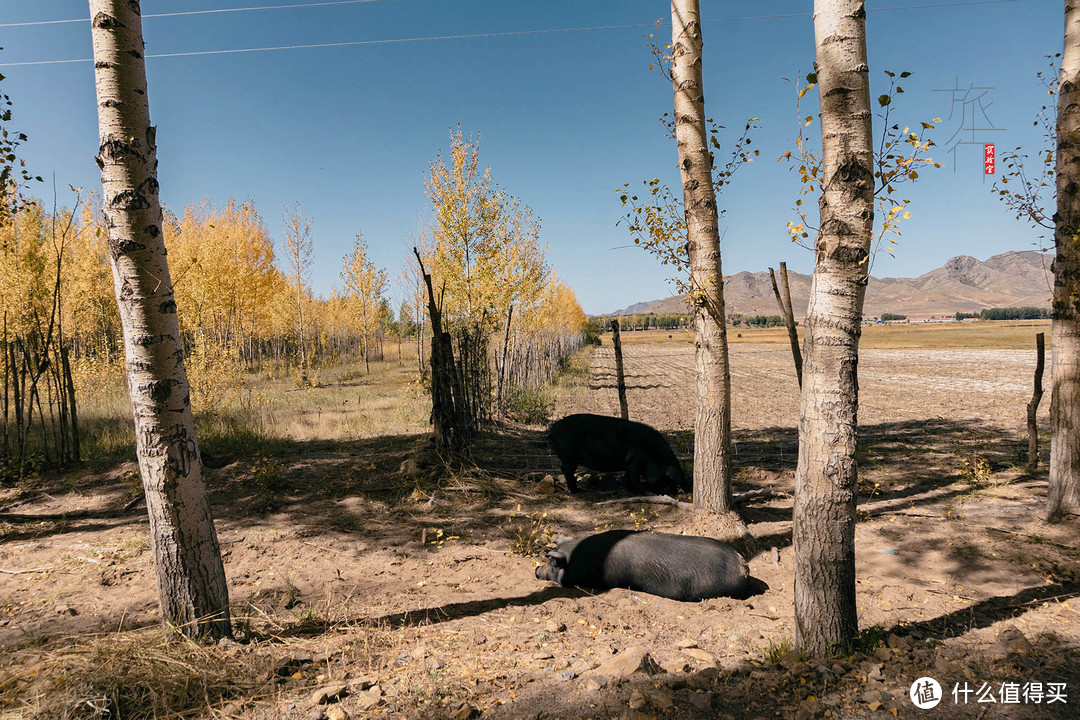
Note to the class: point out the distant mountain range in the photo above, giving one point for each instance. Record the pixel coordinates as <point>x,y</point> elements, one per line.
<point>963,284</point>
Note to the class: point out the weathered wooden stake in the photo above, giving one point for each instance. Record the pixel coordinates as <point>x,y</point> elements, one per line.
<point>446,391</point>
<point>620,378</point>
<point>1033,406</point>
<point>784,301</point>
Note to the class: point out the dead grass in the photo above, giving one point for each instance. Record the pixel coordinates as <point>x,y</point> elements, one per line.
<point>132,675</point>
<point>348,403</point>
<point>156,673</point>
<point>980,335</point>
<point>986,335</point>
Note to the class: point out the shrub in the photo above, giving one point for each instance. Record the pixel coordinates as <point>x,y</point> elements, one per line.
<point>532,406</point>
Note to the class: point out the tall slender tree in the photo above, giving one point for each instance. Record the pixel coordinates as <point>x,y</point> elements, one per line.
<point>825,481</point>
<point>465,205</point>
<point>364,284</point>
<point>1063,496</point>
<point>712,423</point>
<point>298,246</point>
<point>190,576</point>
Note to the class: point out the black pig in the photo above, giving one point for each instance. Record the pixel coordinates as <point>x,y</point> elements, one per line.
<point>607,444</point>
<point>680,567</point>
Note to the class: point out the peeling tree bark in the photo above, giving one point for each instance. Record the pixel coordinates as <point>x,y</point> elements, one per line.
<point>825,481</point>
<point>1063,495</point>
<point>190,575</point>
<point>712,422</point>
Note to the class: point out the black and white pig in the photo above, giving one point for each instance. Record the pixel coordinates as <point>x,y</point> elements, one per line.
<point>680,567</point>
<point>608,444</point>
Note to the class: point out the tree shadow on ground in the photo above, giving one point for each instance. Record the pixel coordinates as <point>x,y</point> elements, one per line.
<point>432,615</point>
<point>324,486</point>
<point>902,465</point>
<point>757,688</point>
<point>985,613</point>
<point>355,488</point>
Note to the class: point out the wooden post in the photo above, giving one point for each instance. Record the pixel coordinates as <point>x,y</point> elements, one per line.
<point>76,452</point>
<point>619,376</point>
<point>784,301</point>
<point>500,399</point>
<point>446,394</point>
<point>1033,406</point>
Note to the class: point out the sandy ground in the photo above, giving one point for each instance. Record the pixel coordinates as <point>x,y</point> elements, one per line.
<point>354,568</point>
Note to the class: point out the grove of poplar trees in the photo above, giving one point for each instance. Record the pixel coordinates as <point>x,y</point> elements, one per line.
<point>240,304</point>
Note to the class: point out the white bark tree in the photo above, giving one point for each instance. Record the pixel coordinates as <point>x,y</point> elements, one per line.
<point>712,422</point>
<point>825,481</point>
<point>190,576</point>
<point>1063,496</point>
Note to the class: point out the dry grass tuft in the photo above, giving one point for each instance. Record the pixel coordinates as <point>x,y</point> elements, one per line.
<point>529,533</point>
<point>136,675</point>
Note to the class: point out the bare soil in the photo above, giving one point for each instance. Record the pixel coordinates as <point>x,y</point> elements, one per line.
<point>362,561</point>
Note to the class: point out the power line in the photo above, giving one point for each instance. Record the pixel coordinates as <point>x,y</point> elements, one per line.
<point>354,43</point>
<point>471,36</point>
<point>202,12</point>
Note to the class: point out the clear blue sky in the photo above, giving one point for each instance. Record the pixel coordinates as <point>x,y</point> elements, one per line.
<point>565,118</point>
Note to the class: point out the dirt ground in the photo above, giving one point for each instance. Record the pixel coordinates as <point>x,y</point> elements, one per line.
<point>354,564</point>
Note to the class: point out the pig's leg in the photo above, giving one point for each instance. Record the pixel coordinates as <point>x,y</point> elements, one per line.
<point>568,469</point>
<point>634,468</point>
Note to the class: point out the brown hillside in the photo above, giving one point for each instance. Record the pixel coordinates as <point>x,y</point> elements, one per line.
<point>963,284</point>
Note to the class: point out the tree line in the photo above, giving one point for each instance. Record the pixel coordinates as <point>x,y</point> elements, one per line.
<point>1013,313</point>
<point>241,303</point>
<point>645,321</point>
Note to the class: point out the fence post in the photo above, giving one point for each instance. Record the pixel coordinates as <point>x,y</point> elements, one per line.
<point>784,301</point>
<point>1033,405</point>
<point>620,378</point>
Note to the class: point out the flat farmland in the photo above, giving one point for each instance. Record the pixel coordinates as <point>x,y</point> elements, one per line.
<point>987,385</point>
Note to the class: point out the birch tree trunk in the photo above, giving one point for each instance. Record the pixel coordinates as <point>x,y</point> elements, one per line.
<point>190,576</point>
<point>825,481</point>
<point>1063,495</point>
<point>712,422</point>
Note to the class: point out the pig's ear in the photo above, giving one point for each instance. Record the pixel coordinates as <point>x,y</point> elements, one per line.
<point>557,558</point>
